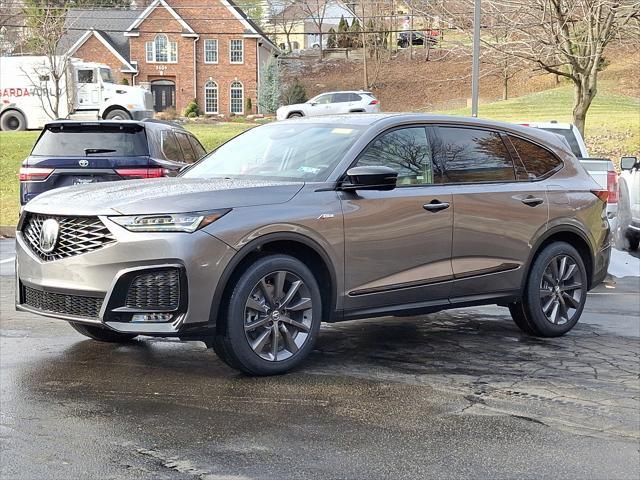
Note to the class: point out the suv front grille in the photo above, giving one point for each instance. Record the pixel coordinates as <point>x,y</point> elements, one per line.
<point>155,290</point>
<point>76,235</point>
<point>87,307</point>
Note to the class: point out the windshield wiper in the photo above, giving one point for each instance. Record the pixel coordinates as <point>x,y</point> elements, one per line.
<point>87,151</point>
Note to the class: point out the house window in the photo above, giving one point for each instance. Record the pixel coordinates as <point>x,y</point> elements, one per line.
<point>211,97</point>
<point>210,51</point>
<point>236,51</point>
<point>237,98</point>
<point>161,50</point>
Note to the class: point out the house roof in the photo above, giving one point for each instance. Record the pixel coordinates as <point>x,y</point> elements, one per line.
<point>109,22</point>
<point>186,29</point>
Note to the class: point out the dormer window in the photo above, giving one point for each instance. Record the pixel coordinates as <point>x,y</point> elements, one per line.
<point>161,50</point>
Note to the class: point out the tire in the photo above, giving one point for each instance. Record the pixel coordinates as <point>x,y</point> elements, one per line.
<point>255,303</point>
<point>554,296</point>
<point>295,115</point>
<point>634,241</point>
<point>102,334</point>
<point>117,114</point>
<point>13,121</point>
<point>622,234</point>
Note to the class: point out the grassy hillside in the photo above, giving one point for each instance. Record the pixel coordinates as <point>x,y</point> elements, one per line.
<point>613,121</point>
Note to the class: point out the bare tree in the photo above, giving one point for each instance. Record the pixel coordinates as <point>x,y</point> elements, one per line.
<point>284,15</point>
<point>45,23</point>
<point>316,11</point>
<point>565,38</point>
<point>500,64</point>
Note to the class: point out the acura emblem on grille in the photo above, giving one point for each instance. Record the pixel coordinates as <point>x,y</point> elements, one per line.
<point>83,163</point>
<point>49,235</point>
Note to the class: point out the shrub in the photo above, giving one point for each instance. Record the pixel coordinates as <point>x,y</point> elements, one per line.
<point>124,81</point>
<point>192,110</point>
<point>248,106</point>
<point>294,93</point>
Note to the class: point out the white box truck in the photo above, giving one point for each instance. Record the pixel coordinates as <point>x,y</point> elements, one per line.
<point>86,91</point>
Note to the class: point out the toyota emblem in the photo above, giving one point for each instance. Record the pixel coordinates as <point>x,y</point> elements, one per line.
<point>83,163</point>
<point>49,235</point>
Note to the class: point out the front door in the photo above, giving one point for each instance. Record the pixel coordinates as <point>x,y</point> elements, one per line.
<point>89,95</point>
<point>498,211</point>
<point>398,242</point>
<point>164,95</point>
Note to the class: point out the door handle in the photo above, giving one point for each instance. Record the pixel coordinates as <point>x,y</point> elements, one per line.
<point>532,201</point>
<point>435,206</point>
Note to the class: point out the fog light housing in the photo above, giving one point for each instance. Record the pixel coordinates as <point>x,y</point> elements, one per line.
<point>151,317</point>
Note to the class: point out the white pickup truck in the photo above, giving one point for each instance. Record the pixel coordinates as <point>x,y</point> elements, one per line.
<point>601,169</point>
<point>629,201</point>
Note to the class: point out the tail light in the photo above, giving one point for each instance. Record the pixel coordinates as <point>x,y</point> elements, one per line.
<point>130,173</point>
<point>612,186</point>
<point>28,174</point>
<point>374,102</point>
<point>601,194</point>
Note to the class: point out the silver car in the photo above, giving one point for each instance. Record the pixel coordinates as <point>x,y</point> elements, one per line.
<point>297,222</point>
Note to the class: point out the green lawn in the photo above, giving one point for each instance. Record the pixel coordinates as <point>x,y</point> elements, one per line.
<point>15,147</point>
<point>613,121</point>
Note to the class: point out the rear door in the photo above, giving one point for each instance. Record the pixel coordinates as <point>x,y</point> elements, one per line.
<point>498,210</point>
<point>398,242</point>
<point>80,153</point>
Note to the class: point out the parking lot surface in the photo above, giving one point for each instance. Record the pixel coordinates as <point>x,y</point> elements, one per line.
<point>458,394</point>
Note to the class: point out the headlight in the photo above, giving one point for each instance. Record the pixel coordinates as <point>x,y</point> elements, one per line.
<point>169,222</point>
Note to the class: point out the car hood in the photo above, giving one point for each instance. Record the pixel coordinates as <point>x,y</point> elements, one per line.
<point>163,195</point>
<point>293,106</point>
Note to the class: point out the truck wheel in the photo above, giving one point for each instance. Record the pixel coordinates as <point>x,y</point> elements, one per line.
<point>634,241</point>
<point>117,114</point>
<point>13,121</point>
<point>102,334</point>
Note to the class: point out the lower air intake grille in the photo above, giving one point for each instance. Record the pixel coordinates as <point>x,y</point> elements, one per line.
<point>156,290</point>
<point>87,307</point>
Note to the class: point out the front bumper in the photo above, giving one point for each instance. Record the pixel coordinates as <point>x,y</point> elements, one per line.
<point>105,275</point>
<point>142,114</point>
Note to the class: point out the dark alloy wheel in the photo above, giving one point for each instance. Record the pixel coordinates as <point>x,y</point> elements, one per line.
<point>273,317</point>
<point>555,293</point>
<point>102,334</point>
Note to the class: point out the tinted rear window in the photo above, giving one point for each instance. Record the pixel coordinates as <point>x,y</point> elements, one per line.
<point>92,140</point>
<point>537,160</point>
<point>464,155</point>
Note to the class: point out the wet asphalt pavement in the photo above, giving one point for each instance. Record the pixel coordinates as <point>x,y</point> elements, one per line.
<point>458,394</point>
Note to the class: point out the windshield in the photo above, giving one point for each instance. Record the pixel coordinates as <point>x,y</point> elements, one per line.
<point>105,74</point>
<point>92,140</point>
<point>289,151</point>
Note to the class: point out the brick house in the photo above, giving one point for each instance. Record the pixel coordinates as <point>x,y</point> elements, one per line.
<point>213,52</point>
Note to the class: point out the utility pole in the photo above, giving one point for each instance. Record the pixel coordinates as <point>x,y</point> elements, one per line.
<point>475,68</point>
<point>364,50</point>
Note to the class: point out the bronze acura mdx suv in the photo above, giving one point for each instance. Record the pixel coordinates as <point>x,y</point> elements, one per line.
<point>297,222</point>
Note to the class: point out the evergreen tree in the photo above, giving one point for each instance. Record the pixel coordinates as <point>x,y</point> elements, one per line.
<point>343,33</point>
<point>295,93</point>
<point>269,94</point>
<point>355,34</point>
<point>332,41</point>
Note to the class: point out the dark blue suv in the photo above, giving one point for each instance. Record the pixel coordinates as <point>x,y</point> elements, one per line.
<point>75,153</point>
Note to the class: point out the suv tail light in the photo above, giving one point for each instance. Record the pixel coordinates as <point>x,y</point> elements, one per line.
<point>612,186</point>
<point>129,173</point>
<point>601,194</point>
<point>28,174</point>
<point>374,102</point>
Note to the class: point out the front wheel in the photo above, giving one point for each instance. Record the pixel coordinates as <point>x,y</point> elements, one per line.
<point>295,115</point>
<point>13,121</point>
<point>272,317</point>
<point>555,292</point>
<point>102,334</point>
<point>117,114</point>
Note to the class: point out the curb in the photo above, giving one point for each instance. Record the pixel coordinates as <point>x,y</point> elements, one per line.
<point>7,231</point>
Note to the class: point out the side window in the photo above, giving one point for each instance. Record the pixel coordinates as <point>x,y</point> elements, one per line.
<point>86,76</point>
<point>170,148</point>
<point>341,97</point>
<point>406,150</point>
<point>323,99</point>
<point>183,140</point>
<point>198,149</point>
<point>537,160</point>
<point>464,155</point>
<point>354,97</point>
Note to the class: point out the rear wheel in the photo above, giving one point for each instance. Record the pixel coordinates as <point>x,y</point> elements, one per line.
<point>118,114</point>
<point>272,317</point>
<point>295,115</point>
<point>555,293</point>
<point>13,121</point>
<point>102,334</point>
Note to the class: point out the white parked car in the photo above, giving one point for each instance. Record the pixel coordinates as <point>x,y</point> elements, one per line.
<point>332,103</point>
<point>629,202</point>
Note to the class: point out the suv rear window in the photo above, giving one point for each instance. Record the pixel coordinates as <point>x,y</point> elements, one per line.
<point>92,140</point>
<point>537,161</point>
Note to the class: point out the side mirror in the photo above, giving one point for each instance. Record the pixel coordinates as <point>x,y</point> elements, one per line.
<point>370,178</point>
<point>313,104</point>
<point>628,163</point>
